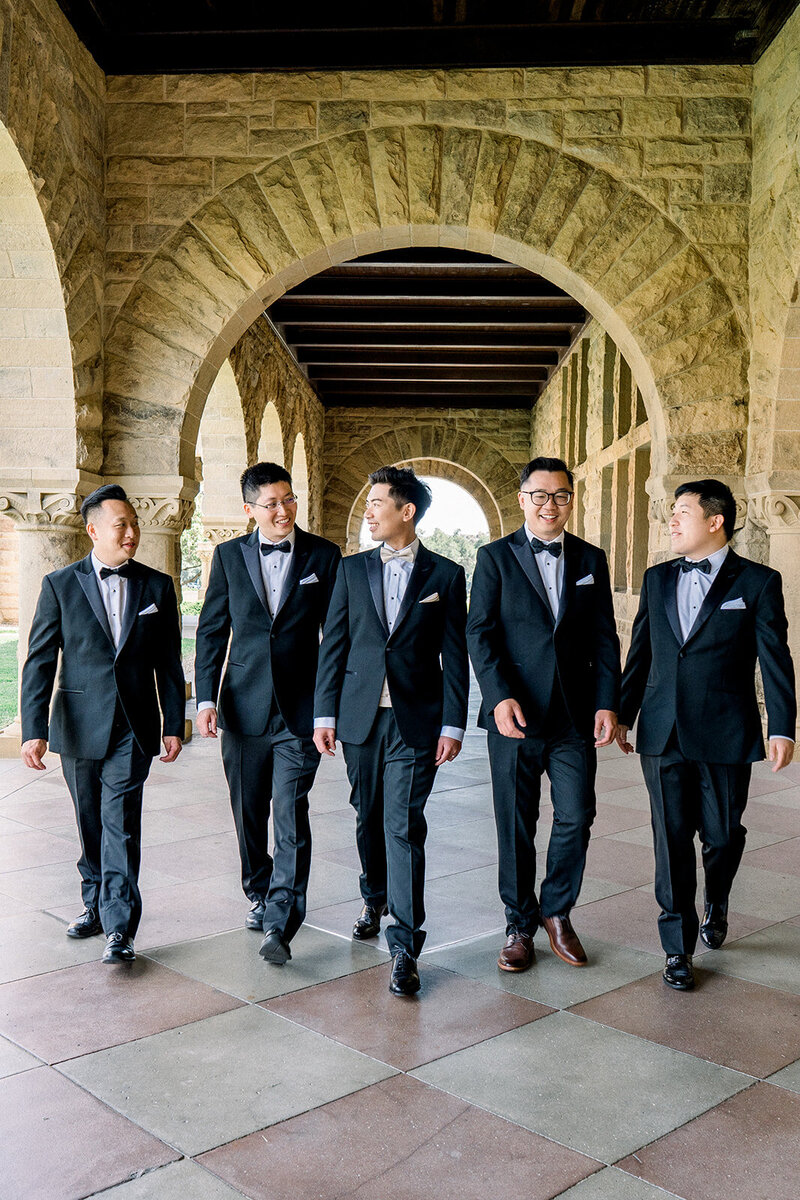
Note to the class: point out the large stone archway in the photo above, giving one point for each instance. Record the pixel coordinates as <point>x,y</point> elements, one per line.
<point>513,197</point>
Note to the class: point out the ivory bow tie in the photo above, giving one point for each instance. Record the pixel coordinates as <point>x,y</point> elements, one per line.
<point>268,547</point>
<point>389,555</point>
<point>554,548</point>
<point>124,570</point>
<point>704,565</point>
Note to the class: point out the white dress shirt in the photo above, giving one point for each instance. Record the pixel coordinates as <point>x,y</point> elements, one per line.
<point>551,569</point>
<point>113,591</point>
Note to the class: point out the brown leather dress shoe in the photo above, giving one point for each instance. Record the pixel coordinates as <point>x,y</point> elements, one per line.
<point>518,953</point>
<point>564,940</point>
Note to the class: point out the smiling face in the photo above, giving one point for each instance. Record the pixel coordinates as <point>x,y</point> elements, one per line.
<point>547,520</point>
<point>114,530</point>
<point>691,532</point>
<point>272,511</point>
<point>387,521</point>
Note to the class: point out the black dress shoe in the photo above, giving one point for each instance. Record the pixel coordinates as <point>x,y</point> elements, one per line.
<point>86,925</point>
<point>404,980</point>
<point>678,972</point>
<point>714,928</point>
<point>255,918</point>
<point>119,949</point>
<point>274,948</point>
<point>368,922</point>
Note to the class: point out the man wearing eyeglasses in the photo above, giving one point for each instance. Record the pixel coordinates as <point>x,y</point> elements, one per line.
<point>544,646</point>
<point>267,595</point>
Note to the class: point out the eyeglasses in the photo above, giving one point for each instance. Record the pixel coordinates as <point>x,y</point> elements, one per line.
<point>562,498</point>
<point>286,502</point>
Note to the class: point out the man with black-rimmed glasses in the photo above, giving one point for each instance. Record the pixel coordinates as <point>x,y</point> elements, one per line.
<point>268,594</point>
<point>544,646</point>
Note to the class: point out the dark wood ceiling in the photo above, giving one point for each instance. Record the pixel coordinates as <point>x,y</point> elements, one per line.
<point>155,36</point>
<point>415,328</point>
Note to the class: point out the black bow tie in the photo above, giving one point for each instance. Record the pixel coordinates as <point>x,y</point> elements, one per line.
<point>124,570</point>
<point>554,548</point>
<point>268,547</point>
<point>704,565</point>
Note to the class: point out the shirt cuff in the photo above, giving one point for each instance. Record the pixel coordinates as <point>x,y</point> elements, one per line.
<point>785,737</point>
<point>450,731</point>
<point>324,722</point>
<point>202,705</point>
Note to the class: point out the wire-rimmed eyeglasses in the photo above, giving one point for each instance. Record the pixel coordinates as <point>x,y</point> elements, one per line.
<point>273,505</point>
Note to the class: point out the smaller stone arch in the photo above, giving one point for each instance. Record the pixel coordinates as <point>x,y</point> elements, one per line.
<point>439,468</point>
<point>222,446</point>
<point>299,473</point>
<point>270,442</point>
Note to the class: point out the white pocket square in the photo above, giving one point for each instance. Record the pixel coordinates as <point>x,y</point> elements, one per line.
<point>430,599</point>
<point>737,603</point>
<point>586,579</point>
<point>309,579</point>
<point>151,608</point>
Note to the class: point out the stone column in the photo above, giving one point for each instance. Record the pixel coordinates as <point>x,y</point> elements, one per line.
<point>214,533</point>
<point>164,507</point>
<point>779,515</point>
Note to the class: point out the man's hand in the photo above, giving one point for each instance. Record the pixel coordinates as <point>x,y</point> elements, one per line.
<point>173,746</point>
<point>325,740</point>
<point>622,739</point>
<point>505,714</point>
<point>781,752</point>
<point>207,723</point>
<point>33,752</point>
<point>605,727</point>
<point>446,750</point>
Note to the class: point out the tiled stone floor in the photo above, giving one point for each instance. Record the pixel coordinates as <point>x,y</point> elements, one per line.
<point>203,1074</point>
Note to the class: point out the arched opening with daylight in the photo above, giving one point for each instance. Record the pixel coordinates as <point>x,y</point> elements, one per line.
<point>299,474</point>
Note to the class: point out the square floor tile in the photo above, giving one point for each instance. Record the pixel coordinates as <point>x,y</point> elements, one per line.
<point>613,1184</point>
<point>654,1088</point>
<point>399,1139</point>
<point>204,1084</point>
<point>622,862</point>
<point>448,1013</point>
<point>13,1059</point>
<point>35,943</point>
<point>230,962</point>
<point>772,818</point>
<point>183,1180</point>
<point>769,894</point>
<point>783,857</point>
<point>760,1033</point>
<point>747,1148</point>
<point>549,981</point>
<point>789,1077</point>
<point>60,1143</point>
<point>194,858</point>
<point>771,957</point>
<point>82,1009</point>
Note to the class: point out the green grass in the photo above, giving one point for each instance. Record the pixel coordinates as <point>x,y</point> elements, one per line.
<point>8,677</point>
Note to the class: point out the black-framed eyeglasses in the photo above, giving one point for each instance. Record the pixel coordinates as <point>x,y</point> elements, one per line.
<point>273,505</point>
<point>561,497</point>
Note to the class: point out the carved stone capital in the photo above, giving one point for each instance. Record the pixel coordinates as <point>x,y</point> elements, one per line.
<point>214,534</point>
<point>661,509</point>
<point>162,514</point>
<point>36,508</point>
<point>775,513</point>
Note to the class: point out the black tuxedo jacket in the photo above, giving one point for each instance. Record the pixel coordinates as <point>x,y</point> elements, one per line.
<point>519,650</point>
<point>424,658</point>
<point>71,618</point>
<point>705,686</point>
<point>267,655</point>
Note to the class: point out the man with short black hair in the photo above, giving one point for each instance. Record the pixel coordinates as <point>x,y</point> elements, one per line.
<point>266,600</point>
<point>392,685</point>
<point>703,621</point>
<point>544,646</point>
<point>115,624</point>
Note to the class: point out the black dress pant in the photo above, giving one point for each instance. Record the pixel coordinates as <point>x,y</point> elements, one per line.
<point>517,766</point>
<point>273,771</point>
<point>107,795</point>
<point>390,783</point>
<point>688,797</point>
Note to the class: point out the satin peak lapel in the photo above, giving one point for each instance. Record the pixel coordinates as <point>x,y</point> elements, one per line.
<point>91,588</point>
<point>727,573</point>
<point>670,593</point>
<point>296,569</point>
<point>375,577</point>
<point>250,553</point>
<point>570,553</point>
<point>134,587</point>
<point>422,569</point>
<point>524,556</point>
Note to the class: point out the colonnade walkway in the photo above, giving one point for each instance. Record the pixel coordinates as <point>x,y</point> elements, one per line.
<point>201,1073</point>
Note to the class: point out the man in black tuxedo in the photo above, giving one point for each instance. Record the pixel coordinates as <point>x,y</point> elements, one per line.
<point>703,621</point>
<point>116,626</point>
<point>267,597</point>
<point>544,646</point>
<point>392,684</point>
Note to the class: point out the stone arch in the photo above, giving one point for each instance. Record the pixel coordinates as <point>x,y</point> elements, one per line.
<point>480,467</point>
<point>224,455</point>
<point>497,193</point>
<point>299,474</point>
<point>439,468</point>
<point>270,442</point>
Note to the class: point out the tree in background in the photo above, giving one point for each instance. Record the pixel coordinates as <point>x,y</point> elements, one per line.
<point>461,547</point>
<point>190,540</point>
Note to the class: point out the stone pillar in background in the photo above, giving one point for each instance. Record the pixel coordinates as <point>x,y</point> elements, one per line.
<point>164,507</point>
<point>779,515</point>
<point>213,534</point>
